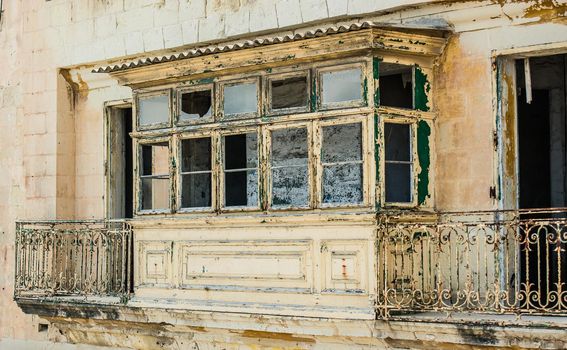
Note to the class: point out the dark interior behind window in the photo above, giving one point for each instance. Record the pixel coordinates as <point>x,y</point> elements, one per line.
<point>196,173</point>
<point>289,93</point>
<point>241,170</point>
<point>396,85</point>
<point>195,105</point>
<point>397,138</point>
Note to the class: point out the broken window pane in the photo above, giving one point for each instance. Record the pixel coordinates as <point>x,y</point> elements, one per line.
<point>396,85</point>
<point>341,86</point>
<point>342,163</point>
<point>241,170</point>
<point>153,109</point>
<point>196,105</point>
<point>240,98</point>
<point>289,93</point>
<point>196,173</point>
<point>398,162</point>
<point>155,176</point>
<point>289,163</point>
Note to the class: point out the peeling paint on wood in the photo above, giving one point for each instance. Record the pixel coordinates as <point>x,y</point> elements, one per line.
<point>424,155</point>
<point>422,89</point>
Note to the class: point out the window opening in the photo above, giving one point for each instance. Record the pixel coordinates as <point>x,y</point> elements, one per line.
<point>241,170</point>
<point>289,168</point>
<point>398,162</point>
<point>153,110</point>
<point>240,99</point>
<point>341,86</point>
<point>341,157</point>
<point>196,173</point>
<point>396,85</point>
<point>195,105</point>
<point>154,176</point>
<point>289,93</point>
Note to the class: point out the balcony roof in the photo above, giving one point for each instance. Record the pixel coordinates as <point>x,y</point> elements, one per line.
<point>266,41</point>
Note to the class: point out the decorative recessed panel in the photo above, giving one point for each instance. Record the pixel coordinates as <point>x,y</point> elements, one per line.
<point>246,265</point>
<point>155,264</point>
<point>344,266</point>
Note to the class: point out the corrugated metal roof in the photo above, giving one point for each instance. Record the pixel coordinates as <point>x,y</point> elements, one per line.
<point>239,45</point>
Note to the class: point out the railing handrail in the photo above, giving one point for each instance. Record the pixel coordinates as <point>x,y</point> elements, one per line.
<point>73,221</point>
<point>412,212</point>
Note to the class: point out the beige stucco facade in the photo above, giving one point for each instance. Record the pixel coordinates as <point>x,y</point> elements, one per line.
<point>259,279</point>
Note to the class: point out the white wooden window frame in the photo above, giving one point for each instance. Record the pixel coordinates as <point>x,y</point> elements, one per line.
<point>222,84</point>
<point>412,122</point>
<point>320,71</point>
<point>282,76</point>
<point>259,171</point>
<point>219,126</point>
<point>195,88</point>
<point>365,144</point>
<point>149,94</point>
<point>179,173</point>
<point>310,160</point>
<point>138,169</point>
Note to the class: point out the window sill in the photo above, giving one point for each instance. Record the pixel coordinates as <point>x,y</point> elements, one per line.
<point>364,215</point>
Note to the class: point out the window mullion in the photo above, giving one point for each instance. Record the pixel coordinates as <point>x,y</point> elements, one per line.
<point>173,161</point>
<point>263,169</point>
<point>216,172</point>
<point>316,166</point>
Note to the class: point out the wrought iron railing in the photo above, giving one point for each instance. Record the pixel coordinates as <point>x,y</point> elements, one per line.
<point>491,262</point>
<point>73,258</point>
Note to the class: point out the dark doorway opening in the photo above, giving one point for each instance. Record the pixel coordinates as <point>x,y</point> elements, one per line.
<point>120,166</point>
<point>542,169</point>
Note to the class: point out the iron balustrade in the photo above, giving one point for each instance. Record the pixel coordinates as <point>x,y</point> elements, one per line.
<point>73,258</point>
<point>505,262</point>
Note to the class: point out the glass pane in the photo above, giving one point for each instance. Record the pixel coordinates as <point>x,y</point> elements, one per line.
<point>290,187</point>
<point>397,141</point>
<point>241,98</point>
<point>398,182</point>
<point>195,105</point>
<point>342,184</point>
<point>196,154</point>
<point>155,193</point>
<point>290,92</point>
<point>196,190</point>
<point>241,151</point>
<point>155,159</point>
<point>241,188</point>
<point>342,143</point>
<point>289,147</point>
<point>153,110</point>
<point>342,86</point>
<point>396,85</point>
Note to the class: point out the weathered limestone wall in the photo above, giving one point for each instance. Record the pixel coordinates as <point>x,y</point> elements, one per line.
<point>52,157</point>
<point>466,101</point>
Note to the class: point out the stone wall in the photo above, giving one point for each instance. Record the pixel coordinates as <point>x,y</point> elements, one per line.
<point>51,144</point>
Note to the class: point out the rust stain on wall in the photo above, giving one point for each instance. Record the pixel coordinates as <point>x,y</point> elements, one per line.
<point>80,87</point>
<point>546,10</point>
<point>275,336</point>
